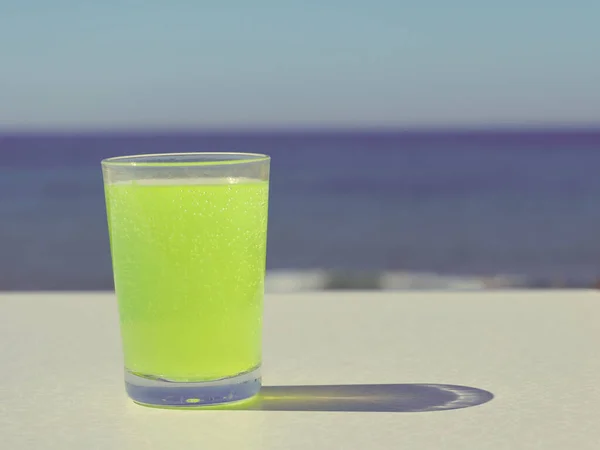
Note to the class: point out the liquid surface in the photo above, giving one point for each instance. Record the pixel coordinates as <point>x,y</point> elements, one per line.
<point>189,262</point>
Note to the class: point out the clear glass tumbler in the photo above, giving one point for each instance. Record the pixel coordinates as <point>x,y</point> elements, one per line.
<point>188,242</point>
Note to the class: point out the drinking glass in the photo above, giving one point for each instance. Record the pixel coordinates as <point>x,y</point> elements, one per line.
<point>188,243</point>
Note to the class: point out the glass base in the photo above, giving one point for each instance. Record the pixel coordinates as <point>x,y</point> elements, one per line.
<point>169,394</point>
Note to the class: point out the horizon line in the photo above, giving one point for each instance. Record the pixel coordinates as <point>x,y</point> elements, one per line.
<point>299,129</point>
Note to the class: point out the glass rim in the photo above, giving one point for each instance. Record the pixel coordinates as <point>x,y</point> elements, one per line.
<point>178,159</point>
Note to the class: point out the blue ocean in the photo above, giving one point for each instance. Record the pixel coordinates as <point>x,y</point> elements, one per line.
<point>466,205</point>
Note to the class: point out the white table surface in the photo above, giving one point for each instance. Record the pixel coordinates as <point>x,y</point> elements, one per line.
<point>537,352</point>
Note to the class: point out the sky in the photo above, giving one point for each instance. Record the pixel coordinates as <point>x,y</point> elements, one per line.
<point>85,64</point>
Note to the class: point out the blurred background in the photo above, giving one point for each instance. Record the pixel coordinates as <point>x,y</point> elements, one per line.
<point>415,145</point>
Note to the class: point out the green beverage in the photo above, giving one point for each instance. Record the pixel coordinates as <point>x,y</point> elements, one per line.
<point>189,263</point>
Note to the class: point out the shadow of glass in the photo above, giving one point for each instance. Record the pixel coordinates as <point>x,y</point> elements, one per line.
<point>364,398</point>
